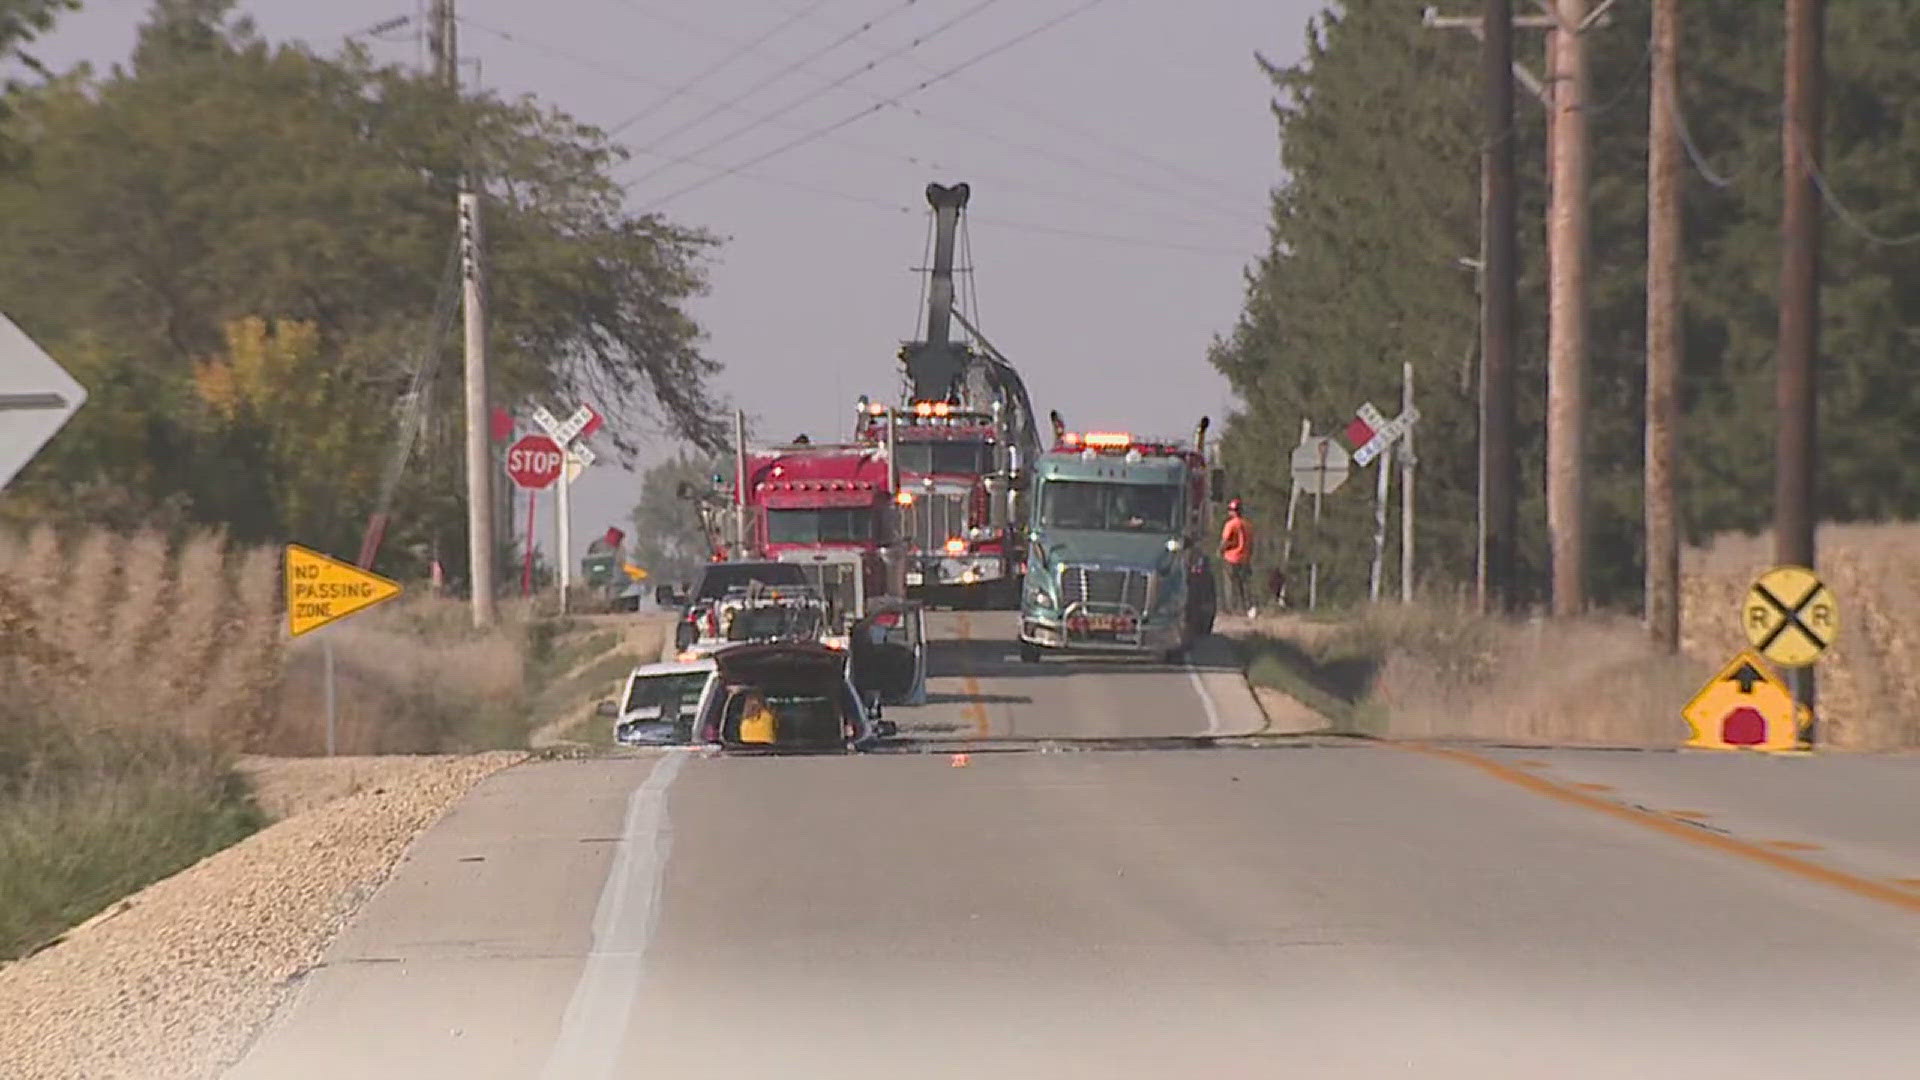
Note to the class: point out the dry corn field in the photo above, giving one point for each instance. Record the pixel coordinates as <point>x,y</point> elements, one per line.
<point>1436,670</point>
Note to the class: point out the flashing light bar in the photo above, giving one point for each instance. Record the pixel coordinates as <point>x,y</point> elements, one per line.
<point>1107,439</point>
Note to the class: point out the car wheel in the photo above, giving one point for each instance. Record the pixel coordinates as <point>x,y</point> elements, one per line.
<point>1029,653</point>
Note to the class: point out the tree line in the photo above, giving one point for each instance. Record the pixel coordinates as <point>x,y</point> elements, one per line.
<point>246,251</point>
<point>1375,227</point>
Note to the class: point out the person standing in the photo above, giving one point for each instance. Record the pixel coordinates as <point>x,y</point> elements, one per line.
<point>1236,549</point>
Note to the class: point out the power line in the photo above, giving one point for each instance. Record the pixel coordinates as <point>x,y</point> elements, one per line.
<point>1694,155</point>
<point>1028,110</point>
<point>1226,214</point>
<point>1847,217</point>
<point>770,79</point>
<point>819,90</point>
<point>738,51</point>
<point>893,207</point>
<point>829,129</point>
<point>1224,218</point>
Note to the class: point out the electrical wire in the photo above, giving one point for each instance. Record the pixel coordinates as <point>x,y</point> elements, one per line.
<point>1694,155</point>
<point>1218,215</point>
<point>1027,109</point>
<point>770,79</point>
<point>829,129</point>
<point>1847,217</point>
<point>816,92</point>
<point>740,50</point>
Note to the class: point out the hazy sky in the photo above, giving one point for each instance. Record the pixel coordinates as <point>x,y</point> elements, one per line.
<point>1120,162</point>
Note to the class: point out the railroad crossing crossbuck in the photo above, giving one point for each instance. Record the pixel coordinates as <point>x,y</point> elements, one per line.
<point>1790,616</point>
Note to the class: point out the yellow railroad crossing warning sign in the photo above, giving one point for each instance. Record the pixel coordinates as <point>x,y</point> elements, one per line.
<point>1790,616</point>
<point>321,590</point>
<point>1744,707</point>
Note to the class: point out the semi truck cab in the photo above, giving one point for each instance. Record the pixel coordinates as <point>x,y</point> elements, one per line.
<point>1117,555</point>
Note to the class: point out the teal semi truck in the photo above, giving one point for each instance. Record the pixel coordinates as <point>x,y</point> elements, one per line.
<point>1119,553</point>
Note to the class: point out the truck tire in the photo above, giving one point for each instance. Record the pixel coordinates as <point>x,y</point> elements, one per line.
<point>1029,653</point>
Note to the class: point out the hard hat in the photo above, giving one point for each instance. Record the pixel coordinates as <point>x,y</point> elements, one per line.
<point>1233,504</point>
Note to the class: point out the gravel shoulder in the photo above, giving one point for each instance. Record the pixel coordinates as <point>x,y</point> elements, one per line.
<point>176,979</point>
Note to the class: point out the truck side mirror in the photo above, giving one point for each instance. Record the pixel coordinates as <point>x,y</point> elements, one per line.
<point>607,710</point>
<point>1217,485</point>
<point>666,596</point>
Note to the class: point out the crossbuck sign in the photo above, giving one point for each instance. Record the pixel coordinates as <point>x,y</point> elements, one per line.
<point>1371,433</point>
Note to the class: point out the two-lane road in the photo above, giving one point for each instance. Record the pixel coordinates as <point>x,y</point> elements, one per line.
<point>1322,910</point>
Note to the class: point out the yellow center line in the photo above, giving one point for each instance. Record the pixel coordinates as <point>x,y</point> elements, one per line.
<point>1811,871</point>
<point>975,709</point>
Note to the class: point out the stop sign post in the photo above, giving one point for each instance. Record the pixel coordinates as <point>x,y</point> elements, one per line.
<point>534,462</point>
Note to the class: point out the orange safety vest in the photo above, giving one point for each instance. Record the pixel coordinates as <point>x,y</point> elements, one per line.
<point>1236,541</point>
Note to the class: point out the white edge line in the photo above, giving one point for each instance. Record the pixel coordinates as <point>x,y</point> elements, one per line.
<point>1206,699</point>
<point>595,1023</point>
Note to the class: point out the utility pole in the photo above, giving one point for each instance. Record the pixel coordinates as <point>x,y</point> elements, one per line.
<point>1499,468</point>
<point>443,42</point>
<point>1663,331</point>
<point>1406,485</point>
<point>1567,311</point>
<point>1794,515</point>
<point>480,550</point>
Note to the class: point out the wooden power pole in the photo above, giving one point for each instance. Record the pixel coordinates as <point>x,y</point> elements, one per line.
<point>1499,467</point>
<point>1663,330</point>
<point>1794,512</point>
<point>1567,310</point>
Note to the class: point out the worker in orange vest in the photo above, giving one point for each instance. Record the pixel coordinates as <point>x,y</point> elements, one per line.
<point>1236,548</point>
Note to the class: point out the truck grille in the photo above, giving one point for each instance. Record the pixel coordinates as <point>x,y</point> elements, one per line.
<point>1089,585</point>
<point>934,519</point>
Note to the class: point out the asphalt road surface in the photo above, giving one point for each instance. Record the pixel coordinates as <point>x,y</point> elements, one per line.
<point>1324,909</point>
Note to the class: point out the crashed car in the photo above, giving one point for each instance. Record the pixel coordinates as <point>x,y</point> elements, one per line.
<point>757,613</point>
<point>791,697</point>
<point>698,617</point>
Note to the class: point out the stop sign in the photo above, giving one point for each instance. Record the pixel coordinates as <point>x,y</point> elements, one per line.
<point>534,461</point>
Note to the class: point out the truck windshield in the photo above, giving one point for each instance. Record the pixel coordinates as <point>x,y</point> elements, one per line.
<point>830,525</point>
<point>958,458</point>
<point>1085,504</point>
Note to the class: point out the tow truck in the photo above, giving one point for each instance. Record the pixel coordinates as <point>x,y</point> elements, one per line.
<point>1117,560</point>
<point>963,438</point>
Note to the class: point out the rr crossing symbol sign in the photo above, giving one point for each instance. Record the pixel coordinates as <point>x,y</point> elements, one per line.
<point>1790,616</point>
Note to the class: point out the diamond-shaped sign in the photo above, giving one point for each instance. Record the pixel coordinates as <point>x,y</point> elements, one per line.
<point>37,397</point>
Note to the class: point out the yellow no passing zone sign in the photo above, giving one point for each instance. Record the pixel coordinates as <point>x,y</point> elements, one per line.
<point>321,589</point>
<point>1790,616</point>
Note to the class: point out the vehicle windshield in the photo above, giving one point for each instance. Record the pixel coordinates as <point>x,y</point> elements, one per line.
<point>719,578</point>
<point>959,458</point>
<point>828,525</point>
<point>1110,507</point>
<point>678,693</point>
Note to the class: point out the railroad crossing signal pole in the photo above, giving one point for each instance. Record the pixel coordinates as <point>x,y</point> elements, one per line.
<point>1793,499</point>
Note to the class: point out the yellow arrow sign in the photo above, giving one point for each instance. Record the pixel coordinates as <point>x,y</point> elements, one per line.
<point>321,590</point>
<point>1744,707</point>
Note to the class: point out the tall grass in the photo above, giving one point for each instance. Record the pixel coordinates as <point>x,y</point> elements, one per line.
<point>131,676</point>
<point>1436,669</point>
<point>413,677</point>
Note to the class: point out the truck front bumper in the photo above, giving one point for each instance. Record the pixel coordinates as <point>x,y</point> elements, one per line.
<point>933,570</point>
<point>1080,631</point>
